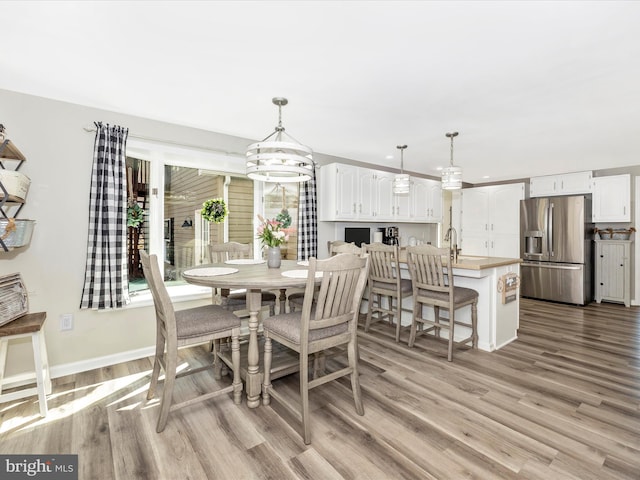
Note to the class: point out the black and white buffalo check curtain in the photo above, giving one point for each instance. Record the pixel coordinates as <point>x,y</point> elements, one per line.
<point>308,220</point>
<point>106,277</point>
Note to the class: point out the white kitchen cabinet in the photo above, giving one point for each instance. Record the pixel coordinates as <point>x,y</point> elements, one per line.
<point>613,271</point>
<point>384,198</point>
<point>612,199</point>
<point>566,184</point>
<point>361,194</point>
<point>345,193</point>
<point>490,220</point>
<point>426,200</point>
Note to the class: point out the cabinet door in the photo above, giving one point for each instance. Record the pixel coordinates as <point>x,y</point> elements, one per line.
<point>367,194</point>
<point>384,198</point>
<point>504,209</point>
<point>575,183</point>
<point>475,211</point>
<point>420,199</point>
<point>435,201</point>
<point>477,245</point>
<point>346,192</point>
<point>403,206</point>
<point>504,245</point>
<point>543,186</point>
<point>612,271</point>
<point>612,198</point>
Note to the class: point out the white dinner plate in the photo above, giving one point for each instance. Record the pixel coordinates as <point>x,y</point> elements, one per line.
<point>299,274</point>
<point>210,271</point>
<point>245,261</point>
<point>303,263</point>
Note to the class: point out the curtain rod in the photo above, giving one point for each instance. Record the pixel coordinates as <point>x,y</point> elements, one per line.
<point>91,128</point>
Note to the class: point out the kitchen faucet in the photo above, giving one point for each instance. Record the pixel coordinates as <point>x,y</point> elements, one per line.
<point>452,237</point>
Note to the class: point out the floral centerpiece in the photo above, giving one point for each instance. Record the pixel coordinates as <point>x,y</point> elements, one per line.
<point>214,210</point>
<point>272,232</point>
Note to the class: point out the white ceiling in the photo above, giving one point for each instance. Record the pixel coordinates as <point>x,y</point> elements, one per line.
<point>532,87</point>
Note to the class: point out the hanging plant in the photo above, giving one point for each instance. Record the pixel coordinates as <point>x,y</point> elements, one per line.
<point>284,218</point>
<point>214,210</point>
<point>135,215</point>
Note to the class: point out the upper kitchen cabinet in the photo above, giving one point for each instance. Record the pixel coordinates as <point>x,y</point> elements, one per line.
<point>491,220</point>
<point>566,184</point>
<point>347,193</point>
<point>352,193</point>
<point>426,200</point>
<point>612,199</point>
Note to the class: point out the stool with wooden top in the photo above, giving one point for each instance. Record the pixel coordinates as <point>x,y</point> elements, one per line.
<point>29,325</point>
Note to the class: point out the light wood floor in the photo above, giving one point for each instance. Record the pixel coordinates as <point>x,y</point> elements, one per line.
<point>562,402</point>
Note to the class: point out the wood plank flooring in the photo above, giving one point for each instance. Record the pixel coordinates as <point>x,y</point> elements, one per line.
<point>561,402</point>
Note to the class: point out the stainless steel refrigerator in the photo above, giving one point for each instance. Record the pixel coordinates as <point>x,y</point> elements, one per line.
<point>556,249</point>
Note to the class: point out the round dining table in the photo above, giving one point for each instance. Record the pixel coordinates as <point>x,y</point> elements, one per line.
<point>254,277</point>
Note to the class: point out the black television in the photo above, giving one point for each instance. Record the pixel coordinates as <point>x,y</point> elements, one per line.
<point>357,235</point>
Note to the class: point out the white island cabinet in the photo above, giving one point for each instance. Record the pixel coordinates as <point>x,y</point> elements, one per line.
<point>497,318</point>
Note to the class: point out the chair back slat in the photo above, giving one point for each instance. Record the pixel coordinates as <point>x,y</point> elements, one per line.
<point>344,277</point>
<point>384,263</point>
<point>426,268</point>
<point>221,252</point>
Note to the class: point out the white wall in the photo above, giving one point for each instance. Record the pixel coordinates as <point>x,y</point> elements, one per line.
<point>59,158</point>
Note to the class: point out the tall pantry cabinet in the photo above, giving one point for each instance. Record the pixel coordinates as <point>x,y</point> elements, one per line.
<point>490,220</point>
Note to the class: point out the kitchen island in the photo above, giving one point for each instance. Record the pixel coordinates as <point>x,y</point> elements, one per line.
<point>496,280</point>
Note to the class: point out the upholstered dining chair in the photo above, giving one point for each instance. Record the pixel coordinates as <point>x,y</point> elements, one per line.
<point>184,328</point>
<point>220,253</point>
<point>385,281</point>
<point>328,321</point>
<point>337,246</point>
<point>434,287</point>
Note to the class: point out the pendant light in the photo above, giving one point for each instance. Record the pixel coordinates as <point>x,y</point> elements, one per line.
<point>401,180</point>
<point>279,157</point>
<point>452,175</point>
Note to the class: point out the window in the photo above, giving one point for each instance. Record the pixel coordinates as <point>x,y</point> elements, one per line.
<point>171,225</point>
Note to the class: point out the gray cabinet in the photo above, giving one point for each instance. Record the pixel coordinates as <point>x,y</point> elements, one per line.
<point>613,271</point>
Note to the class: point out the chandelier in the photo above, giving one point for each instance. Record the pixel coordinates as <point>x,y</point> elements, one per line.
<point>279,157</point>
<point>401,180</point>
<point>451,175</point>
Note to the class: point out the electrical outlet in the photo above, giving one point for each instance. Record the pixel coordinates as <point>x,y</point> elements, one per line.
<point>66,321</point>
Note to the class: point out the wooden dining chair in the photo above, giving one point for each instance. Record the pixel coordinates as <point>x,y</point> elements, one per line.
<point>385,282</point>
<point>324,323</point>
<point>185,328</point>
<point>220,253</point>
<point>434,287</point>
<point>296,298</point>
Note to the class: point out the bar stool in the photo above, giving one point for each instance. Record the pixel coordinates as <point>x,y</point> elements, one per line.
<point>29,325</point>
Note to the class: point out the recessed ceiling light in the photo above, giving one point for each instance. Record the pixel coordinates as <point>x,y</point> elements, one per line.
<point>487,176</point>
<point>389,157</point>
<point>438,168</point>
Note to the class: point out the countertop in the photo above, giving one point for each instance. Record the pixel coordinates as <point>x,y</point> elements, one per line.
<point>469,262</point>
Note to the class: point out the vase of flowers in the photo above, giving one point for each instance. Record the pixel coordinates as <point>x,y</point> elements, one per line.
<point>214,210</point>
<point>272,234</point>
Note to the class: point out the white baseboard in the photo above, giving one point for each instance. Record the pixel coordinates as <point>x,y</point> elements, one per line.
<point>56,371</point>
<point>99,362</point>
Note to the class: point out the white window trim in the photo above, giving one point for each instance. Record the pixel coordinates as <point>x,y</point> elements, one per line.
<point>159,155</point>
